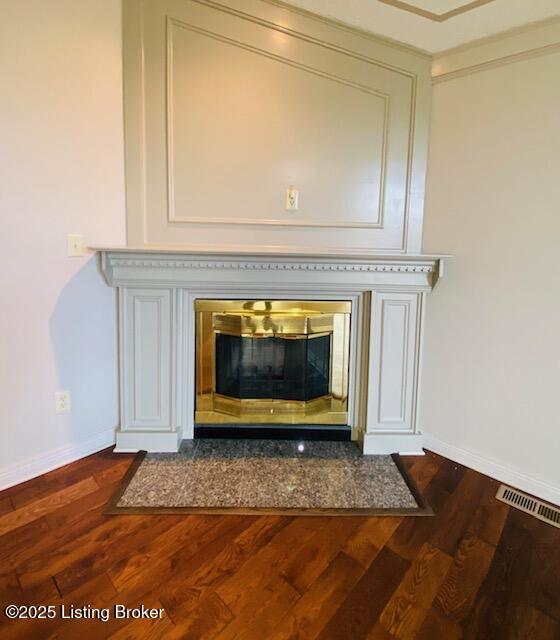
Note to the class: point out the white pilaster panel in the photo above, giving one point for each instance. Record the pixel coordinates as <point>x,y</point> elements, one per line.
<point>147,359</point>
<point>392,375</point>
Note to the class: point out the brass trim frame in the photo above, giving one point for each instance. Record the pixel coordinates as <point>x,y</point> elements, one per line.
<point>267,326</point>
<point>262,319</point>
<point>268,307</point>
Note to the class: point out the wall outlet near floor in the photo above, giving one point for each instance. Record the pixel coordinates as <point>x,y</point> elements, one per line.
<point>75,245</point>
<point>62,401</point>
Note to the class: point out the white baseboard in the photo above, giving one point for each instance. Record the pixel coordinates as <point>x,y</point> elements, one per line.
<point>406,444</point>
<point>129,441</point>
<point>55,458</point>
<point>493,468</point>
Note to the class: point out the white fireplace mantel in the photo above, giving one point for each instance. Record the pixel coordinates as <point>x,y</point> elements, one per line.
<point>157,288</point>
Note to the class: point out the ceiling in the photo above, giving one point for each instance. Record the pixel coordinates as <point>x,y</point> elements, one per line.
<point>434,25</point>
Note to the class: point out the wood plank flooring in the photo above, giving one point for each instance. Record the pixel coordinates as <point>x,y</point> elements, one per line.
<point>476,570</point>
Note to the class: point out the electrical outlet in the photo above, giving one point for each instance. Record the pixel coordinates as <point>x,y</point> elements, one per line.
<point>292,199</point>
<point>62,401</point>
<point>75,246</point>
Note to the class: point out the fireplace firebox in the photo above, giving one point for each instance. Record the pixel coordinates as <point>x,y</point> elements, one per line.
<point>272,361</point>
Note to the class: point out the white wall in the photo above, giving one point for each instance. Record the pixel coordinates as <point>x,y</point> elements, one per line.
<point>492,350</point>
<point>61,167</point>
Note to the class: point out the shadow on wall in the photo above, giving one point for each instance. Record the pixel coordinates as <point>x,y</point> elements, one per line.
<point>83,331</point>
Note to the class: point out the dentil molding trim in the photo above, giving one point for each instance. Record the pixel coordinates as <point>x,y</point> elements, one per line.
<point>273,266</point>
<point>126,267</point>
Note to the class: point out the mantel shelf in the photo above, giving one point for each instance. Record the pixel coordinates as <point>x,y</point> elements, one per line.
<point>270,252</point>
<point>182,265</point>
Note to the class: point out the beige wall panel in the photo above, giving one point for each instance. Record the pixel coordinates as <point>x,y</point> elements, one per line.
<point>255,126</point>
<point>232,109</point>
<point>61,168</point>
<point>492,343</point>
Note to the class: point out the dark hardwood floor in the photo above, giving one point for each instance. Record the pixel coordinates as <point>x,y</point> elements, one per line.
<point>476,570</point>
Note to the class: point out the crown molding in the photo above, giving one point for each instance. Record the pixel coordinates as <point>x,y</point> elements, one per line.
<point>500,62</point>
<point>352,29</point>
<point>521,43</point>
<point>436,17</point>
<point>498,37</point>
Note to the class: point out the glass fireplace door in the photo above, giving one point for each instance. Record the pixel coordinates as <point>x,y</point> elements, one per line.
<point>272,361</point>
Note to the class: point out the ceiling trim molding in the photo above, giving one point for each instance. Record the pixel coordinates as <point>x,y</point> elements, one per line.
<point>349,28</point>
<point>522,43</point>
<point>497,62</point>
<point>553,22</point>
<point>436,17</point>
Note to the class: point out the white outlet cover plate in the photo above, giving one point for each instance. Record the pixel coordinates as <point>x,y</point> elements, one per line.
<point>292,199</point>
<point>62,401</point>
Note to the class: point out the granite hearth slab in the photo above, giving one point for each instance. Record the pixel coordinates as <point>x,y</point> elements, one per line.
<point>268,476</point>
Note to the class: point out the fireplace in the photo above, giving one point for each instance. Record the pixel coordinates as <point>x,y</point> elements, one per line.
<point>272,362</point>
<point>175,322</point>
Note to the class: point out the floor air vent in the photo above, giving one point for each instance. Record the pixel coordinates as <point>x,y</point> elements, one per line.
<point>536,508</point>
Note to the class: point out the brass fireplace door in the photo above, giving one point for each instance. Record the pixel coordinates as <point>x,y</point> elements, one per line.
<point>272,361</point>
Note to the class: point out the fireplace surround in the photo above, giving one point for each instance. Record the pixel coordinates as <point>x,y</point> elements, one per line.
<point>157,291</point>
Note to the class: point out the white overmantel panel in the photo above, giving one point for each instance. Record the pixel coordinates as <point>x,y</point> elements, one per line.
<point>157,333</point>
<point>228,104</point>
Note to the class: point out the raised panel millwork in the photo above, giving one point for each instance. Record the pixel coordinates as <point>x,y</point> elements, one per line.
<point>229,104</point>
<point>393,354</point>
<point>395,321</point>
<point>147,358</point>
<point>258,122</point>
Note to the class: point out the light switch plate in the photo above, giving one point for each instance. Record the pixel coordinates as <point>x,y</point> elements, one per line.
<point>75,245</point>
